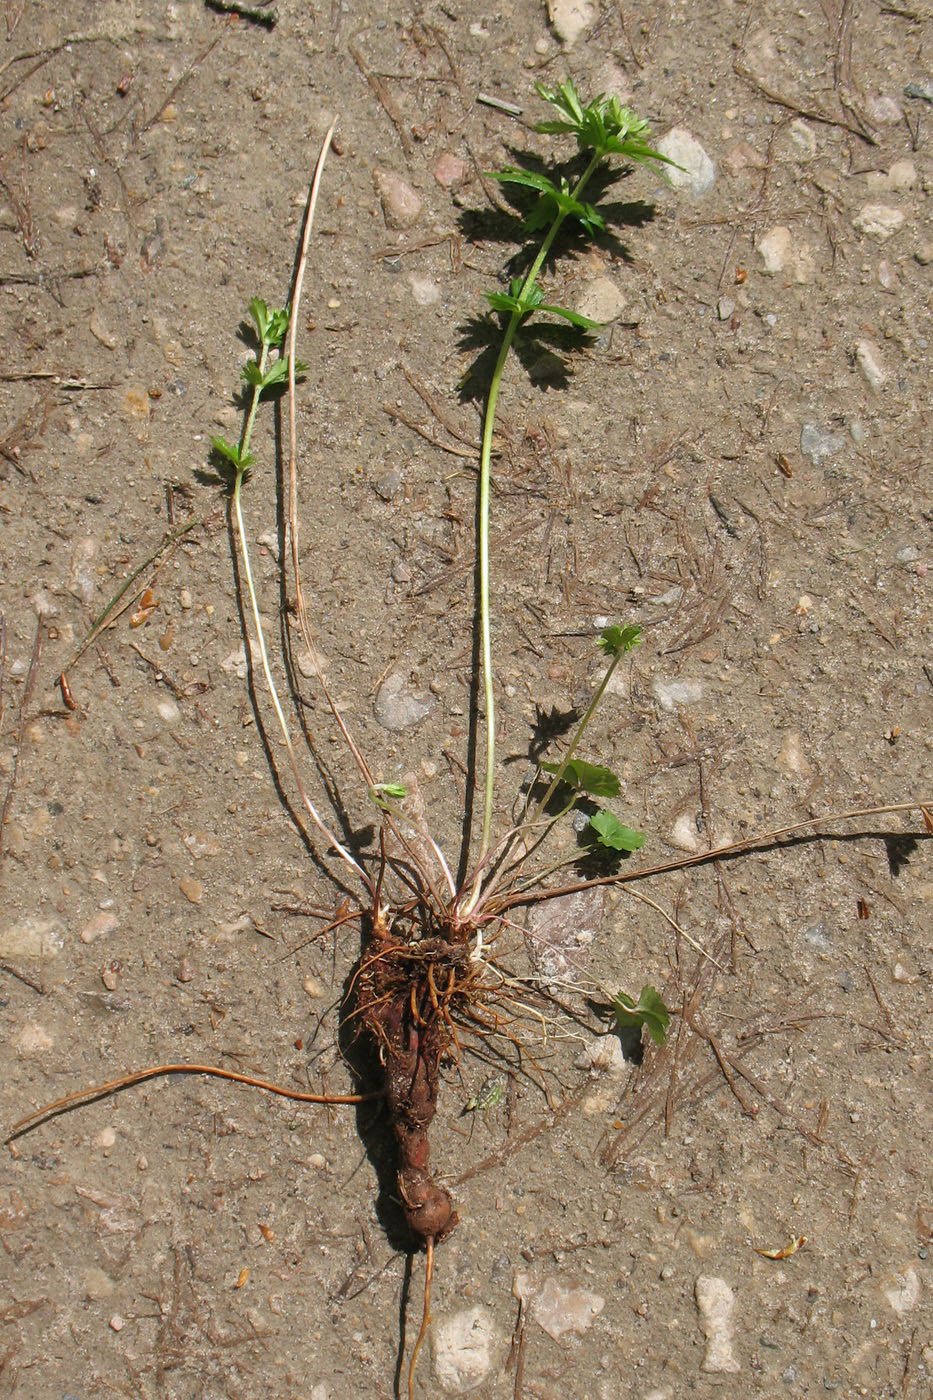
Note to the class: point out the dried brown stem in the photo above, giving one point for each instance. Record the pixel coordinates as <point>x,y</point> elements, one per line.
<point>139,1076</point>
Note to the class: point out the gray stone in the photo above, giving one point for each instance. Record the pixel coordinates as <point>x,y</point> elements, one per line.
<point>697,174</point>
<point>816,443</point>
<point>398,706</point>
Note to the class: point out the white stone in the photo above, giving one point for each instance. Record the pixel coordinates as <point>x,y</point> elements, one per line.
<point>774,248</point>
<point>601,300</point>
<point>716,1303</point>
<point>879,221</point>
<point>425,290</point>
<point>32,938</point>
<point>883,110</point>
<point>791,759</point>
<point>904,1291</point>
<point>569,18</point>
<point>558,1310</point>
<point>670,694</point>
<point>33,1039</point>
<point>463,1349</point>
<point>698,173</point>
<point>684,834</point>
<point>868,358</point>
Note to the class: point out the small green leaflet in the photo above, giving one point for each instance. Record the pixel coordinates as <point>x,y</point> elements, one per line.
<point>271,324</point>
<point>277,373</point>
<point>514,303</point>
<point>649,1011</point>
<point>616,640</point>
<point>240,460</point>
<point>553,199</point>
<point>383,793</point>
<point>612,833</point>
<point>588,777</point>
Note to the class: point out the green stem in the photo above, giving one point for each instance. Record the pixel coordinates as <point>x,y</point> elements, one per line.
<point>253,408</point>
<point>578,735</point>
<point>485,472</point>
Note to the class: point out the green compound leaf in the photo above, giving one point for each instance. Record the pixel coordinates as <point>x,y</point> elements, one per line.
<point>616,640</point>
<point>513,302</point>
<point>648,1011</point>
<point>240,460</point>
<point>277,373</point>
<point>587,777</point>
<point>555,200</point>
<point>605,126</point>
<point>613,834</point>
<point>271,324</point>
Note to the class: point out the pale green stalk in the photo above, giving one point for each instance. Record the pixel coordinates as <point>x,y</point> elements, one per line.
<point>312,811</point>
<point>485,473</point>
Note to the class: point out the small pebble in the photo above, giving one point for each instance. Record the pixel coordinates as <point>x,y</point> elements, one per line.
<point>401,206</point>
<point>868,359</point>
<point>99,927</point>
<point>462,1344</point>
<point>816,443</point>
<point>116,1323</point>
<point>202,844</point>
<point>879,221</point>
<point>716,1304</point>
<point>774,248</point>
<point>450,171</point>
<point>569,18</point>
<point>33,1039</point>
<point>168,711</point>
<point>105,1139</point>
<point>804,138</point>
<point>192,889</point>
<point>398,706</point>
<point>883,110</point>
<point>558,1310</point>
<point>791,759</point>
<point>388,485</point>
<point>670,694</point>
<point>425,290</point>
<point>684,834</point>
<point>903,1291</point>
<point>698,173</point>
<point>741,157</point>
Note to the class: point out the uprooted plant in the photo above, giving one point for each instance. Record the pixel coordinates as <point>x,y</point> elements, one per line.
<point>435,950</point>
